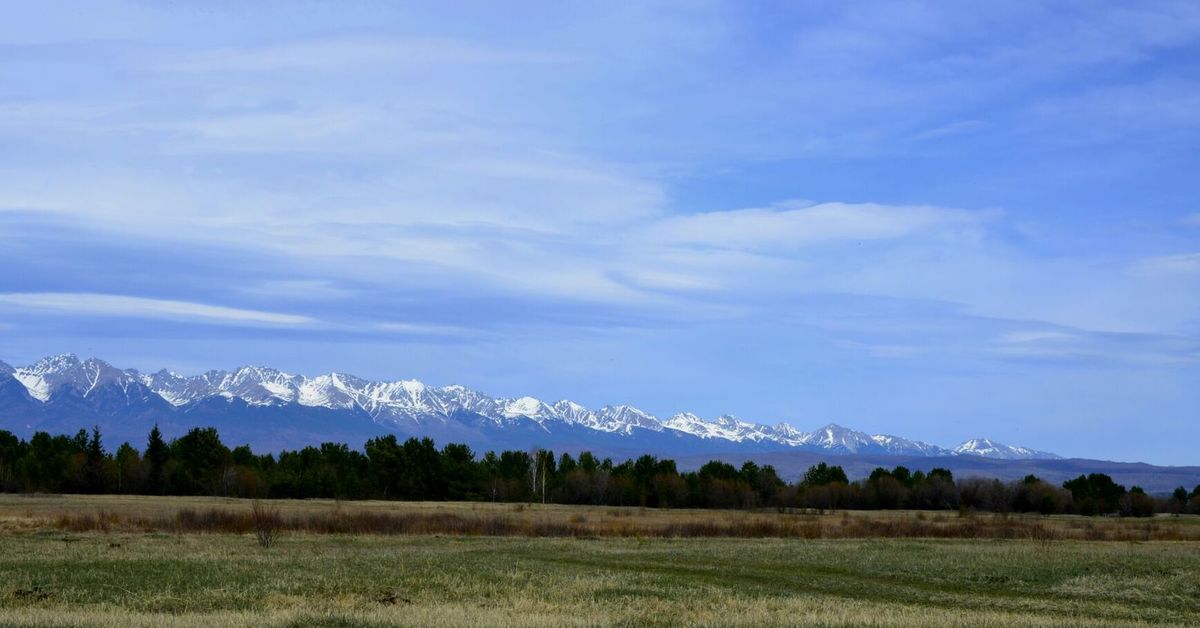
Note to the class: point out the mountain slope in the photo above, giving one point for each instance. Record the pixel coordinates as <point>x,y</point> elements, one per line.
<point>988,448</point>
<point>269,408</point>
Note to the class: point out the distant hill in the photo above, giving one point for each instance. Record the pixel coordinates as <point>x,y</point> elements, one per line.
<point>1154,479</point>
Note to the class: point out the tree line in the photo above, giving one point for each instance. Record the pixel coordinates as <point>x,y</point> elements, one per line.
<point>198,463</point>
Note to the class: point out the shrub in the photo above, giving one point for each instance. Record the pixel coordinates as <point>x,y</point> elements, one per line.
<point>266,522</point>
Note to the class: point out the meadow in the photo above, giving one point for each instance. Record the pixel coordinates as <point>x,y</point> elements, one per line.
<point>75,560</point>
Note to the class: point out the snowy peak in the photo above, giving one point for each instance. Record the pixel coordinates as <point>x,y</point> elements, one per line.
<point>691,424</point>
<point>176,389</point>
<point>48,376</point>
<point>408,405</point>
<point>836,438</point>
<point>463,399</point>
<point>624,419</point>
<point>259,385</point>
<point>898,446</point>
<point>328,391</point>
<point>61,363</point>
<point>988,448</point>
<point>530,408</point>
<point>725,427</point>
<point>788,434</point>
<point>571,412</point>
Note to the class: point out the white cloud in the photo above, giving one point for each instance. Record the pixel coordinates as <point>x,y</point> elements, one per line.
<point>1056,345</point>
<point>785,226</point>
<point>545,167</point>
<point>424,330</point>
<point>348,53</point>
<point>140,307</point>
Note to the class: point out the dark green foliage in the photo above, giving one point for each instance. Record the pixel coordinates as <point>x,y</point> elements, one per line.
<point>127,468</point>
<point>944,474</point>
<point>463,478</point>
<point>156,458</point>
<point>53,463</point>
<point>95,464</point>
<point>1095,494</point>
<point>198,463</point>
<point>12,451</point>
<point>822,474</point>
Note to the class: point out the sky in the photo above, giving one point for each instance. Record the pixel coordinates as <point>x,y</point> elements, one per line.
<point>938,220</point>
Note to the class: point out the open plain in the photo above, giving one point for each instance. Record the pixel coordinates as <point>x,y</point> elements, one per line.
<point>86,561</point>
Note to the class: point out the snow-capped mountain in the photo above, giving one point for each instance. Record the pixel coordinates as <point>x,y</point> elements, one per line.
<point>724,427</point>
<point>991,449</point>
<point>63,391</point>
<point>836,438</point>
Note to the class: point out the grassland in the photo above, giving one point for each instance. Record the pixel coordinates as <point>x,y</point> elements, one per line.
<point>127,575</point>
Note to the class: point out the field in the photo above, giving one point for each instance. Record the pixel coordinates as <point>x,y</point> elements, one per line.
<point>118,561</point>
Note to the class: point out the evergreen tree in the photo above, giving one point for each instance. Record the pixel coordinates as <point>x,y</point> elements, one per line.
<point>127,463</point>
<point>198,462</point>
<point>1095,493</point>
<point>94,463</point>
<point>1180,497</point>
<point>12,451</point>
<point>156,457</point>
<point>821,474</point>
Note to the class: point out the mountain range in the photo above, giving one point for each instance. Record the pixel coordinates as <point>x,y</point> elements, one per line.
<point>273,410</point>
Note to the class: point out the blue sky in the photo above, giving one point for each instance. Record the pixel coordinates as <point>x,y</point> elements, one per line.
<point>941,220</point>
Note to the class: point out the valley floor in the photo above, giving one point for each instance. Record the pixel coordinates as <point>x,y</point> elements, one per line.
<point>52,576</point>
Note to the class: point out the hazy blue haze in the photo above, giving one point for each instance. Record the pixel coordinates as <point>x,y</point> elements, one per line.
<point>940,220</point>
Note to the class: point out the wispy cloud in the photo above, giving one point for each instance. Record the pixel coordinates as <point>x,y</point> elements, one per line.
<point>1078,346</point>
<point>142,307</point>
<point>418,329</point>
<point>1182,264</point>
<point>961,127</point>
<point>372,177</point>
<point>347,53</point>
<point>300,289</point>
<point>789,226</point>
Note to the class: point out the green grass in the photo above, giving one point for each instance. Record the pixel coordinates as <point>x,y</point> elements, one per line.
<point>619,572</point>
<point>49,577</point>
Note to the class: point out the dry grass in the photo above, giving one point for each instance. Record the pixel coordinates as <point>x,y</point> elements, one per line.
<point>130,561</point>
<point>818,612</point>
<point>217,515</point>
<point>114,579</point>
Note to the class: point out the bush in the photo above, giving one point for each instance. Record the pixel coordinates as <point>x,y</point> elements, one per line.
<point>266,522</point>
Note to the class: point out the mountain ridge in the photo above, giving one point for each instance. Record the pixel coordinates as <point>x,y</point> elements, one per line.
<point>337,402</point>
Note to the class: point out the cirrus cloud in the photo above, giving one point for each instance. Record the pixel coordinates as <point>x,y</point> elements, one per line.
<point>83,303</point>
<point>791,225</point>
